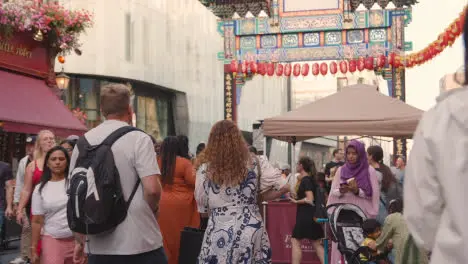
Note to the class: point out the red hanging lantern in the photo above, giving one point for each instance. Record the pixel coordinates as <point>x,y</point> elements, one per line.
<point>457,27</point>
<point>343,67</point>
<point>315,69</point>
<point>410,62</point>
<point>432,51</point>
<point>253,67</point>
<point>324,68</point>
<point>369,63</point>
<point>450,36</point>
<point>261,68</point>
<point>361,64</point>
<point>279,69</point>
<point>419,58</point>
<point>233,66</point>
<point>239,68</point>
<point>443,40</point>
<point>287,70</point>
<point>244,67</point>
<point>397,62</point>
<point>426,54</point>
<point>271,69</point>
<point>352,66</point>
<point>391,59</point>
<point>333,67</point>
<point>463,14</point>
<point>381,60</point>
<point>305,69</point>
<point>297,69</point>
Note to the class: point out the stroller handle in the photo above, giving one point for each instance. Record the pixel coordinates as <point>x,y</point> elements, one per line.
<point>335,205</point>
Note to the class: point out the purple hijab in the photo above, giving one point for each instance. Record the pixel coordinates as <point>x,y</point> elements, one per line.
<point>359,170</point>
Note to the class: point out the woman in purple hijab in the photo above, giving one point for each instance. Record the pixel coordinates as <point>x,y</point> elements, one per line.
<point>356,168</point>
<point>355,183</point>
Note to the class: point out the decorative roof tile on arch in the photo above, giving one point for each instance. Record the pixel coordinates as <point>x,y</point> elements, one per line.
<point>227,8</point>
<point>383,3</point>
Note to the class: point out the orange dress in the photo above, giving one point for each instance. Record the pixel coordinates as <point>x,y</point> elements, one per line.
<point>177,208</point>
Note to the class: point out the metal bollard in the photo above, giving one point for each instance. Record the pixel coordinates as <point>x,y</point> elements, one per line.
<point>324,221</point>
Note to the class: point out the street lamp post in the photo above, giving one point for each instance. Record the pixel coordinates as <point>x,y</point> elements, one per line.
<point>62,80</point>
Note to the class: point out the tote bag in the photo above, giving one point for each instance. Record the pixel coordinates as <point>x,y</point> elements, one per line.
<point>191,240</point>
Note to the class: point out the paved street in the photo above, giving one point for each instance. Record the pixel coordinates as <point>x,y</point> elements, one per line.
<point>7,255</point>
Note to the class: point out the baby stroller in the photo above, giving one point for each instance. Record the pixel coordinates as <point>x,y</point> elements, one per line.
<point>346,230</point>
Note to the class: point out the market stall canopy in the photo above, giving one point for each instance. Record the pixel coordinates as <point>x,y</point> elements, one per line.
<point>27,105</point>
<point>356,110</point>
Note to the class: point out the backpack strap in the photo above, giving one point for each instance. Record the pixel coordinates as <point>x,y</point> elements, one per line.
<point>114,136</point>
<point>111,139</point>
<point>135,188</point>
<point>82,146</point>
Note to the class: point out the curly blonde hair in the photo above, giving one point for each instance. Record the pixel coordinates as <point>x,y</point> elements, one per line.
<point>226,155</point>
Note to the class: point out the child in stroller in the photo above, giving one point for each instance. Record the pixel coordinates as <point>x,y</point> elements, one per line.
<point>346,226</point>
<point>372,230</point>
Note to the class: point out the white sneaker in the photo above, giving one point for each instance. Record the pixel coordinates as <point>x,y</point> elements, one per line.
<point>18,260</point>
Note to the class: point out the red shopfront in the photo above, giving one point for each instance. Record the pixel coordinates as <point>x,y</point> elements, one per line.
<point>28,98</point>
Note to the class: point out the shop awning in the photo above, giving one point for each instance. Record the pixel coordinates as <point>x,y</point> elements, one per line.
<point>27,105</point>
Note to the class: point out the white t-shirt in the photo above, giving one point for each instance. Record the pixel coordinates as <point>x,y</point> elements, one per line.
<point>134,157</point>
<point>52,204</point>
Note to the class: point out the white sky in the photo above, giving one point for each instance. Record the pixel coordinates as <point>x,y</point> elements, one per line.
<point>422,82</point>
<point>430,18</point>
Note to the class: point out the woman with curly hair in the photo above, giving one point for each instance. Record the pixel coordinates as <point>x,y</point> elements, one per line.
<point>226,188</point>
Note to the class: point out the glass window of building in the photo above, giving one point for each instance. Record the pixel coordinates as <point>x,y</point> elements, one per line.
<point>153,108</point>
<point>153,116</point>
<point>83,94</point>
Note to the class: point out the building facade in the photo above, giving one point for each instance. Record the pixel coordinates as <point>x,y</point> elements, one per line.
<point>167,52</point>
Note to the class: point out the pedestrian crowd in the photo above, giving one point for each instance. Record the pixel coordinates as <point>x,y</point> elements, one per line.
<point>117,195</point>
<point>165,189</point>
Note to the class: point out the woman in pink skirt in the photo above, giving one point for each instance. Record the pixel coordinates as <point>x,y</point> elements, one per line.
<point>355,183</point>
<point>49,209</point>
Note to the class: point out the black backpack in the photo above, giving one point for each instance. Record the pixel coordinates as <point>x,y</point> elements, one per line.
<point>96,202</point>
<point>320,203</point>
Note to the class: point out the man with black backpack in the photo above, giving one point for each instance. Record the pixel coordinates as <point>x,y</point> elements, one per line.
<point>114,189</point>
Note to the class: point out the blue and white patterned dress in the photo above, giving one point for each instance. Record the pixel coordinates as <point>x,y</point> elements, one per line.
<point>235,232</point>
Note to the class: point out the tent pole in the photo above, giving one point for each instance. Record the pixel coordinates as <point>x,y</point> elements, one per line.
<point>293,158</point>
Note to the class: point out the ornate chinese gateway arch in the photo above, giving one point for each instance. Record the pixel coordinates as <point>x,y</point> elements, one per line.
<point>260,34</point>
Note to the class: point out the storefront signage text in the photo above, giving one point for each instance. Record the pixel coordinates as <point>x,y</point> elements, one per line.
<point>21,53</point>
<point>15,50</point>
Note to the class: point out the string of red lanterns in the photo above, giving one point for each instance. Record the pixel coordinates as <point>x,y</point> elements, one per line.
<point>304,69</point>
<point>394,60</point>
